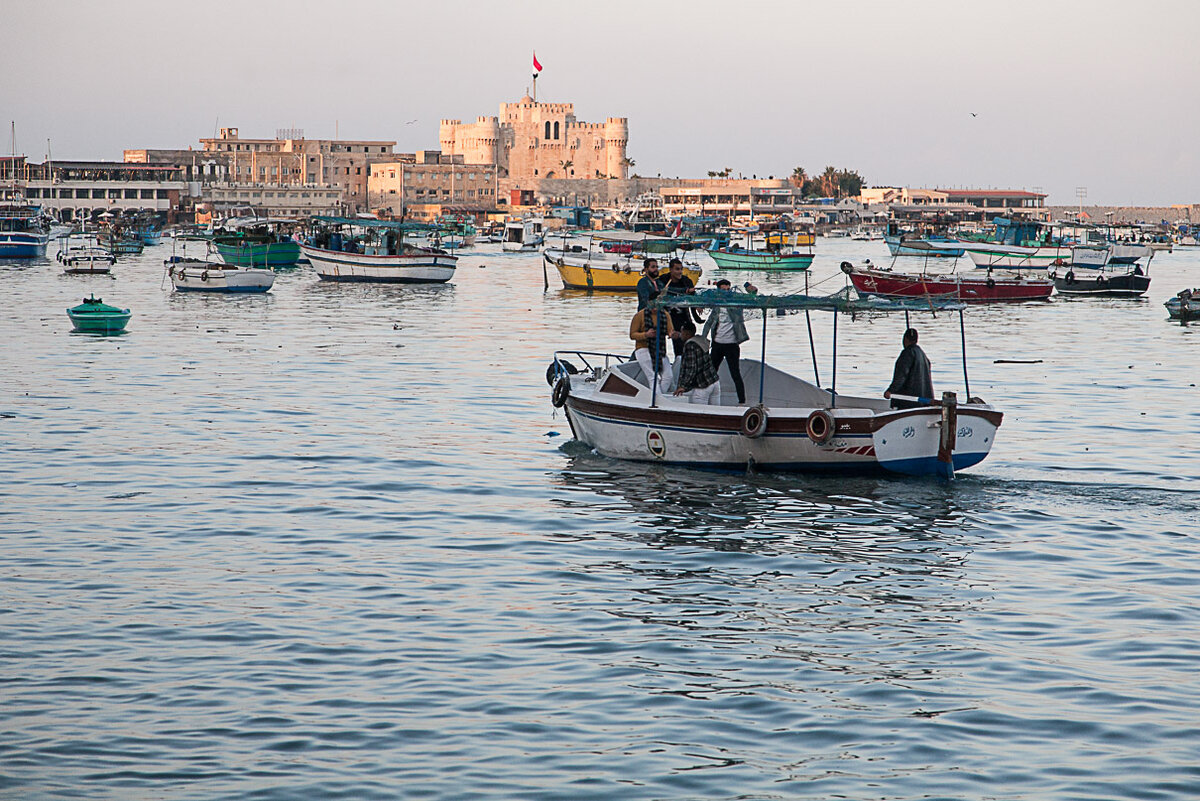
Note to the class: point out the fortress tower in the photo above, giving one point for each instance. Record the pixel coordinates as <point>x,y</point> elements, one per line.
<point>531,140</point>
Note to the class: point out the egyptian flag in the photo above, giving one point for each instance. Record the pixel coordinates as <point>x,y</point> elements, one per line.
<point>536,66</point>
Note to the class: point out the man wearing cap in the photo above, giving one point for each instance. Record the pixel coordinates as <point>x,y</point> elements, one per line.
<point>726,329</point>
<point>650,329</point>
<point>911,375</point>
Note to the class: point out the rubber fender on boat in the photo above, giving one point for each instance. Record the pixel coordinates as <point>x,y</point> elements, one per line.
<point>558,369</point>
<point>754,422</point>
<point>819,426</point>
<point>847,267</point>
<point>561,390</point>
<point>204,275</point>
<point>1070,276</point>
<point>991,282</point>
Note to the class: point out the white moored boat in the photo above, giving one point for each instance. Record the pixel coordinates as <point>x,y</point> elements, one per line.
<point>524,234</point>
<point>795,425</point>
<point>374,251</point>
<point>202,275</point>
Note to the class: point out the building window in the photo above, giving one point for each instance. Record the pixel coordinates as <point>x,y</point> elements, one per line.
<point>547,136</point>
<point>161,194</point>
<point>556,130</point>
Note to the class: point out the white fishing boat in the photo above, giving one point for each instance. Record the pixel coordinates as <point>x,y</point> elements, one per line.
<point>81,254</point>
<point>527,233</point>
<point>201,275</point>
<point>348,249</point>
<point>795,425</point>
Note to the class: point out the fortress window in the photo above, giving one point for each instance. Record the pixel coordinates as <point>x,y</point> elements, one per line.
<point>547,136</point>
<point>556,130</point>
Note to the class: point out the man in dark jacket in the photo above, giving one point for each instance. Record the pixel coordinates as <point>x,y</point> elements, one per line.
<point>912,373</point>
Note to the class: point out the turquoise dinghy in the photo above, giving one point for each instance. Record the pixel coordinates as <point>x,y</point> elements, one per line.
<point>94,316</point>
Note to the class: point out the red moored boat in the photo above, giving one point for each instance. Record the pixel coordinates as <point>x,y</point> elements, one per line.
<point>970,289</point>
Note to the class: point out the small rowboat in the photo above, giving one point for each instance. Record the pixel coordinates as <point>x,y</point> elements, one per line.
<point>94,316</point>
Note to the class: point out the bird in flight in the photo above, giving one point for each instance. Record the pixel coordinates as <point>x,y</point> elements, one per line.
<point>410,122</point>
<point>973,114</point>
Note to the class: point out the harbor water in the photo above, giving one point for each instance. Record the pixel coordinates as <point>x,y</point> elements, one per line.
<point>335,542</point>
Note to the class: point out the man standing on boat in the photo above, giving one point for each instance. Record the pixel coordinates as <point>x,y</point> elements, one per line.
<point>911,375</point>
<point>649,282</point>
<point>726,328</point>
<point>650,329</point>
<point>679,284</point>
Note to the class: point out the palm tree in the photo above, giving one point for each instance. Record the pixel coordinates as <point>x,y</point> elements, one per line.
<point>829,182</point>
<point>566,165</point>
<point>799,176</point>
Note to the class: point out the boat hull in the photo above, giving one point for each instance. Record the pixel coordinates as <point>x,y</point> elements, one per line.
<point>1178,309</point>
<point>99,323</point>
<point>418,268</point>
<point>1015,257</point>
<point>21,245</point>
<point>596,275</point>
<point>1100,284</point>
<point>921,247</point>
<point>967,289</point>
<point>902,441</point>
<point>213,277</point>
<point>259,254</point>
<point>754,260</point>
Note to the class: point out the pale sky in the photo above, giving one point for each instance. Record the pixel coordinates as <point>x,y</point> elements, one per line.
<point>1101,94</point>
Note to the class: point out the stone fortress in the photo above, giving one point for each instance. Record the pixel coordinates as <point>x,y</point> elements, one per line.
<point>531,141</point>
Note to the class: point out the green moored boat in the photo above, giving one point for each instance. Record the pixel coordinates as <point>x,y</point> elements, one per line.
<point>742,259</point>
<point>257,250</point>
<point>94,316</point>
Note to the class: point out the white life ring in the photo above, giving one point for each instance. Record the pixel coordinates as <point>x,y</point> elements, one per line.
<point>819,426</point>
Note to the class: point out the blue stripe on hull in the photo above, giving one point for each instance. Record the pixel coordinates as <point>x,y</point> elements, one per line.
<point>930,466</point>
<point>240,290</point>
<point>363,279</point>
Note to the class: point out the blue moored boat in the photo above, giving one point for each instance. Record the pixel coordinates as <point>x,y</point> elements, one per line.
<point>21,233</point>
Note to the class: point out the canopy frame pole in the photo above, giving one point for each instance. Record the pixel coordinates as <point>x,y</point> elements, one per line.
<point>833,380</point>
<point>812,345</point>
<point>653,353</point>
<point>762,363</point>
<point>962,330</point>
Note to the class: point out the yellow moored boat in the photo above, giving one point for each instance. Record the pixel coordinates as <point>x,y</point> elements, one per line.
<point>616,266</point>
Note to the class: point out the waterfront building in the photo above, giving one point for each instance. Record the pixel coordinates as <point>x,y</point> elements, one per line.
<point>74,189</point>
<point>529,141</point>
<point>902,195</point>
<point>428,183</point>
<point>732,198</point>
<point>1002,201</point>
<point>292,171</point>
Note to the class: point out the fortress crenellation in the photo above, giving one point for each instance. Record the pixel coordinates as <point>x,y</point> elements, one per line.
<point>529,140</point>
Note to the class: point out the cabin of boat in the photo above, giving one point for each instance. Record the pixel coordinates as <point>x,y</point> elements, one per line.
<point>524,234</point>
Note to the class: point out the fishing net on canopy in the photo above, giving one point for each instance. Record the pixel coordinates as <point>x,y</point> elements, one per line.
<point>845,300</point>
